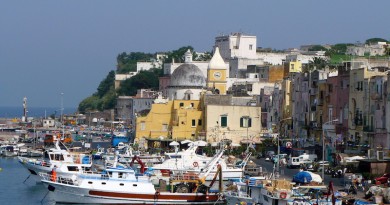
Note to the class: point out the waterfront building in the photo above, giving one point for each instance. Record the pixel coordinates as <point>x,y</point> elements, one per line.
<point>175,120</point>
<point>337,97</point>
<point>359,110</point>
<point>237,119</point>
<point>128,107</point>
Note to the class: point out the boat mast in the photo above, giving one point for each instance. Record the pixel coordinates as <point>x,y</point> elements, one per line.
<point>24,109</point>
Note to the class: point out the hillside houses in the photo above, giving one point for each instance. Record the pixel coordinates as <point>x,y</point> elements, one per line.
<point>240,97</point>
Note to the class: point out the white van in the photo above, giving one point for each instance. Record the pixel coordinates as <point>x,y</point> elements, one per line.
<point>293,162</point>
<point>298,161</point>
<point>312,157</point>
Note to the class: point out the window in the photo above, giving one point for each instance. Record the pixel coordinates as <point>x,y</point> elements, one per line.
<point>223,121</point>
<point>245,121</point>
<point>143,126</point>
<point>181,104</point>
<point>200,122</point>
<point>164,127</point>
<point>193,123</point>
<point>250,46</point>
<point>192,104</point>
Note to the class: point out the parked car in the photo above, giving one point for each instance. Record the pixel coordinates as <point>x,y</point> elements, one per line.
<point>383,179</point>
<point>325,163</point>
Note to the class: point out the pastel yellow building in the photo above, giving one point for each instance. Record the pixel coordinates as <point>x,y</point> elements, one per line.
<point>239,124</point>
<point>292,67</point>
<point>176,120</point>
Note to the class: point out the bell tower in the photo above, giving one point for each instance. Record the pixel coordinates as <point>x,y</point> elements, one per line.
<point>216,73</point>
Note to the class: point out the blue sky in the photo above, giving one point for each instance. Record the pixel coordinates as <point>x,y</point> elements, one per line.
<point>53,47</point>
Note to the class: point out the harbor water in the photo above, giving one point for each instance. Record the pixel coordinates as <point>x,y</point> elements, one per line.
<point>12,189</point>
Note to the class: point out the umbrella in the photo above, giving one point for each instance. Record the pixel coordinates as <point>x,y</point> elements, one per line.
<point>174,143</point>
<point>315,177</point>
<point>302,177</point>
<point>235,145</point>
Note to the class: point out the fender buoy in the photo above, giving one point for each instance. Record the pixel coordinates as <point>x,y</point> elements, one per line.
<point>195,164</point>
<point>53,175</point>
<point>283,195</point>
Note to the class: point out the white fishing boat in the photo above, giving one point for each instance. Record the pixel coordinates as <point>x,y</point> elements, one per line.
<point>125,186</point>
<point>258,190</point>
<point>65,162</point>
<point>11,150</point>
<point>126,153</point>
<point>189,160</point>
<point>34,153</point>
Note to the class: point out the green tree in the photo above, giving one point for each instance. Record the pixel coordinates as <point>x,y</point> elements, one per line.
<point>318,48</point>
<point>127,62</point>
<point>89,103</point>
<point>144,79</point>
<point>203,57</point>
<point>106,84</point>
<point>178,55</point>
<point>316,63</point>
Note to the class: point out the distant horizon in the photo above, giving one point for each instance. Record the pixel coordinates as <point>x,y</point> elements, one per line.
<point>17,111</point>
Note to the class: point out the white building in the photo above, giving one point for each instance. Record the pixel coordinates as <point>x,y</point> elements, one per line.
<point>236,45</point>
<point>372,50</point>
<point>122,77</point>
<point>148,65</point>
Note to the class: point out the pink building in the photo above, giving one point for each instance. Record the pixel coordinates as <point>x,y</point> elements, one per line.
<point>337,98</point>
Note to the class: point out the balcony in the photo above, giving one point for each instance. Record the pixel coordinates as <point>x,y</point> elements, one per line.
<point>368,129</point>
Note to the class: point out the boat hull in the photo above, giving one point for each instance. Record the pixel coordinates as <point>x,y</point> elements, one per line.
<point>64,193</point>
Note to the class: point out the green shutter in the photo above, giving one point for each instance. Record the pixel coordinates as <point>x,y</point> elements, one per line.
<point>241,122</point>
<point>223,121</point>
<point>249,122</point>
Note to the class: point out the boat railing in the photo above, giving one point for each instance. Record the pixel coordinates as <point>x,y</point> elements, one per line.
<point>184,176</point>
<point>43,163</point>
<point>58,179</point>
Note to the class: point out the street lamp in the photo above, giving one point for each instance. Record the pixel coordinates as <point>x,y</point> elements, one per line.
<point>278,144</point>
<point>323,146</point>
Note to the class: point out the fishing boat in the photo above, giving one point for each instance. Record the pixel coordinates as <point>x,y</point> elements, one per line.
<point>126,186</point>
<point>258,190</point>
<point>59,157</point>
<point>11,150</point>
<point>189,160</point>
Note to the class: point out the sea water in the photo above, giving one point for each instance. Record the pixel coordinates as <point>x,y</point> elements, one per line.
<point>12,189</point>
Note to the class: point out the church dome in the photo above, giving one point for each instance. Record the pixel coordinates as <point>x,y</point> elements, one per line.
<point>216,61</point>
<point>188,75</point>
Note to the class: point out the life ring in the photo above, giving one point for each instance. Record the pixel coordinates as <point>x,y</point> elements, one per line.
<point>195,164</point>
<point>283,195</point>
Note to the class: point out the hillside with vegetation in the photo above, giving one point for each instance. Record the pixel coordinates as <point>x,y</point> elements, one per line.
<point>105,96</point>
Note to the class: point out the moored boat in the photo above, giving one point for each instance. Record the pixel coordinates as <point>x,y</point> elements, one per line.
<point>65,163</point>
<point>125,186</point>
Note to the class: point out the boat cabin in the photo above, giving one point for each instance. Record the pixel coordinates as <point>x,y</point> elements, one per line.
<point>119,174</point>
